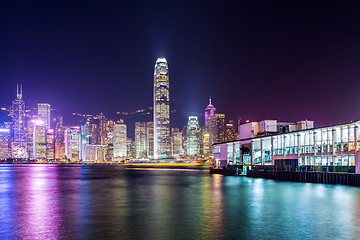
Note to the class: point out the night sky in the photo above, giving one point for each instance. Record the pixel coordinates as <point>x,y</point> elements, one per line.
<point>289,61</point>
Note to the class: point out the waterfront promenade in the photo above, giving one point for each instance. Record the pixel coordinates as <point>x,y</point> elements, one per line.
<point>296,176</point>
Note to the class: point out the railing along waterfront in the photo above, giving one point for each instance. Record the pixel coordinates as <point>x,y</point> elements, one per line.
<point>311,177</point>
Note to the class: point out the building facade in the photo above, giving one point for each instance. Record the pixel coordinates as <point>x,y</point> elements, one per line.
<point>176,143</point>
<point>150,139</point>
<point>207,140</point>
<point>335,147</point>
<point>217,128</point>
<point>120,138</point>
<point>73,143</point>
<point>161,110</point>
<point>4,143</point>
<point>44,114</point>
<point>193,138</point>
<point>140,140</point>
<point>39,140</point>
<point>19,139</point>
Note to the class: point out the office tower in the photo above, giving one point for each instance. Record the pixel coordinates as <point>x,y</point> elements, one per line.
<point>59,130</point>
<point>230,133</point>
<point>4,143</point>
<point>161,110</point>
<point>217,128</point>
<point>50,146</point>
<point>201,140</point>
<point>109,152</point>
<point>209,112</point>
<point>130,148</point>
<point>176,143</point>
<point>207,140</point>
<point>193,148</point>
<point>95,153</point>
<point>206,144</point>
<point>39,140</point>
<point>72,143</point>
<point>119,135</point>
<point>150,139</point>
<point>102,129</point>
<point>60,151</point>
<point>140,140</point>
<point>110,131</point>
<point>83,141</point>
<point>44,114</point>
<point>184,141</point>
<point>19,141</point>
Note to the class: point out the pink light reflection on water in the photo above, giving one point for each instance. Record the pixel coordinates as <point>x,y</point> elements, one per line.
<point>37,200</point>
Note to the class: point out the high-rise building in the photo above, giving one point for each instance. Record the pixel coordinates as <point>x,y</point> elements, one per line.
<point>109,152</point>
<point>193,143</point>
<point>209,112</point>
<point>140,140</point>
<point>103,129</point>
<point>230,132</point>
<point>150,139</point>
<point>95,153</point>
<point>59,130</point>
<point>130,148</point>
<point>39,140</point>
<point>83,141</point>
<point>44,114</point>
<point>207,139</point>
<point>4,143</point>
<point>217,128</point>
<point>184,141</point>
<point>73,143</point>
<point>176,143</point>
<point>119,136</point>
<point>50,149</point>
<point>19,141</point>
<point>161,110</point>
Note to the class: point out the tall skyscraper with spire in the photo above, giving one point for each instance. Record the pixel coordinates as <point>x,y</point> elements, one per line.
<point>209,112</point>
<point>161,109</point>
<point>19,140</point>
<point>207,138</point>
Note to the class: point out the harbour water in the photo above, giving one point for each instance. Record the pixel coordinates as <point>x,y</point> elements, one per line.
<point>111,202</point>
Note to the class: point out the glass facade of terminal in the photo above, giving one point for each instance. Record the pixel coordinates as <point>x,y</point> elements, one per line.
<point>336,145</point>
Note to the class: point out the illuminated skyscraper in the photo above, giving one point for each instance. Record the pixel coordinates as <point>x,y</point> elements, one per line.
<point>230,133</point>
<point>209,112</point>
<point>84,141</point>
<point>161,110</point>
<point>207,140</point>
<point>140,140</point>
<point>119,141</point>
<point>150,139</point>
<point>176,142</point>
<point>217,128</point>
<point>50,151</point>
<point>73,143</point>
<point>44,113</point>
<point>39,140</point>
<point>4,143</point>
<point>19,142</point>
<point>193,142</point>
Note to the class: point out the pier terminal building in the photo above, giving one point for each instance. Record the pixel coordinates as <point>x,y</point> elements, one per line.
<point>270,144</point>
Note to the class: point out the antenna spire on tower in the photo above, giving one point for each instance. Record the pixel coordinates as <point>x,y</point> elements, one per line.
<point>210,100</point>
<point>19,91</point>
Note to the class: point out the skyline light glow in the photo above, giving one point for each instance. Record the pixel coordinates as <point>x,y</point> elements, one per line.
<point>259,60</point>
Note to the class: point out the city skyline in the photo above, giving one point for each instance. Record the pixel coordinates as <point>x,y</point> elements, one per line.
<point>81,64</point>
